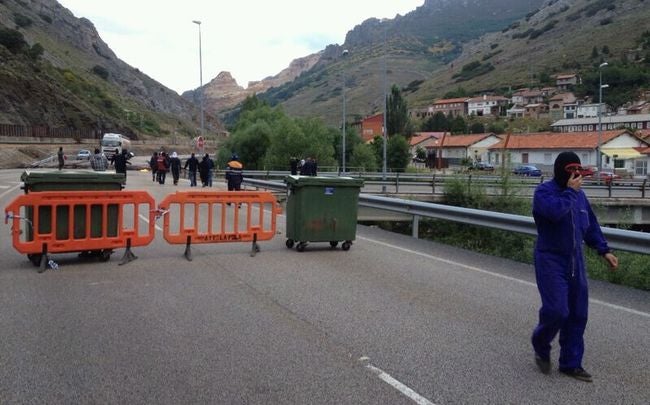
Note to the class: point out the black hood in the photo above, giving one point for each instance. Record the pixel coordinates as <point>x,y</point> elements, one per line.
<point>560,175</point>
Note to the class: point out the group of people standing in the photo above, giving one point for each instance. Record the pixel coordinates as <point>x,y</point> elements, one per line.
<point>161,163</point>
<point>306,167</point>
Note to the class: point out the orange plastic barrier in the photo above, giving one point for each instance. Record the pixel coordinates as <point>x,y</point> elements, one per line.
<point>215,217</point>
<point>81,221</point>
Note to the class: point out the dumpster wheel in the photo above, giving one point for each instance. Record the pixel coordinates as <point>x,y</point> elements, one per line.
<point>334,243</point>
<point>105,255</point>
<point>35,259</point>
<point>289,243</point>
<point>301,246</point>
<point>346,245</point>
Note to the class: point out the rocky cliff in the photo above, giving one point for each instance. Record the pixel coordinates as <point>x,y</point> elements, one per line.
<point>223,93</point>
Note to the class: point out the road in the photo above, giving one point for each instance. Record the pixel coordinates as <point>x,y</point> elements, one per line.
<point>392,321</point>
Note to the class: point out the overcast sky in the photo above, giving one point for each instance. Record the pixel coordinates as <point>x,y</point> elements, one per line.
<point>249,39</point>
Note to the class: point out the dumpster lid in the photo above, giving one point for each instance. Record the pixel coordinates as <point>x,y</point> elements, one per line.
<point>70,176</point>
<point>323,181</point>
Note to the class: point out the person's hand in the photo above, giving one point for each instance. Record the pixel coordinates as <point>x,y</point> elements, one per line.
<point>611,260</point>
<point>575,181</point>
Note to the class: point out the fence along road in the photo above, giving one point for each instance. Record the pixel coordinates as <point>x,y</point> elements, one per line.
<point>394,320</point>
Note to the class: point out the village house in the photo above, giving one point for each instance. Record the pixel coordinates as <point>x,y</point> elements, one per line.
<point>566,81</point>
<point>610,122</point>
<point>451,107</point>
<point>487,106</point>
<point>641,107</point>
<point>454,150</point>
<point>372,126</point>
<point>536,111</point>
<point>589,110</point>
<point>557,103</point>
<point>424,141</point>
<point>526,96</point>
<point>622,150</point>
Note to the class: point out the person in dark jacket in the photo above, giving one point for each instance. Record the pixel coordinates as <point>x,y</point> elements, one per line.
<point>192,164</point>
<point>564,220</point>
<point>293,165</point>
<point>309,167</point>
<point>205,168</point>
<point>175,166</point>
<point>61,157</point>
<point>234,173</point>
<point>153,165</point>
<point>162,166</point>
<point>121,160</point>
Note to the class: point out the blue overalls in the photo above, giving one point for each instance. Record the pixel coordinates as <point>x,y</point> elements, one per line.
<point>564,220</point>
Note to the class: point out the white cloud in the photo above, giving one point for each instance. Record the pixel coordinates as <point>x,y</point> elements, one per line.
<point>250,39</point>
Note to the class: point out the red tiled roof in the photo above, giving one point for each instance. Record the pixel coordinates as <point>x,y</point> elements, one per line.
<point>556,140</point>
<point>451,141</point>
<point>570,76</point>
<point>487,98</point>
<point>419,137</point>
<point>451,100</point>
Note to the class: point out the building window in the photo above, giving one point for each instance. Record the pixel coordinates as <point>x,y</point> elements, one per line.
<point>641,167</point>
<point>619,164</point>
<point>548,158</point>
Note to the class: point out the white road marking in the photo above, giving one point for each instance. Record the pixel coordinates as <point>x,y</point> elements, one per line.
<point>387,378</point>
<point>10,190</point>
<point>145,219</point>
<point>479,270</point>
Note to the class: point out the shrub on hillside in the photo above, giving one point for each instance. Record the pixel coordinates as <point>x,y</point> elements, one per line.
<point>22,20</point>
<point>101,72</point>
<point>13,40</point>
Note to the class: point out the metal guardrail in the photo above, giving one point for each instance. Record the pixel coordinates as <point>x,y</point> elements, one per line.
<point>434,183</point>
<point>631,241</point>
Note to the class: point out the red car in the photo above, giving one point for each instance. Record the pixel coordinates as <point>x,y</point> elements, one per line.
<point>606,177</point>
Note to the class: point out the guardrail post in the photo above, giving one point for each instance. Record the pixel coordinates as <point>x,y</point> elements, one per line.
<point>433,184</point>
<point>397,183</point>
<point>643,188</point>
<point>609,188</point>
<point>416,226</point>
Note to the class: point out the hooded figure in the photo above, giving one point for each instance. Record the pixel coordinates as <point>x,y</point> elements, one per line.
<point>560,174</point>
<point>175,165</point>
<point>234,173</point>
<point>564,221</point>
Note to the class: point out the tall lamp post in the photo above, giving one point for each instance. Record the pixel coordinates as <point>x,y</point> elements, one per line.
<point>600,113</point>
<point>344,54</point>
<point>197,22</point>
<point>385,127</point>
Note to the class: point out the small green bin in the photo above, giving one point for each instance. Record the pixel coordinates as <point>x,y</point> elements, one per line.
<point>69,180</point>
<point>322,209</point>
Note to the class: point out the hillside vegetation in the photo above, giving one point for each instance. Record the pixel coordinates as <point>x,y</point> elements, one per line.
<point>56,71</point>
<point>473,46</point>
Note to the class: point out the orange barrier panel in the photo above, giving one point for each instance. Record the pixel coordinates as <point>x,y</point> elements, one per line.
<point>80,221</point>
<point>215,217</point>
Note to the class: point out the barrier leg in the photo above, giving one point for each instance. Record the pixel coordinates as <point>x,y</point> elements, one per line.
<point>43,265</point>
<point>255,247</point>
<point>188,248</point>
<point>128,254</point>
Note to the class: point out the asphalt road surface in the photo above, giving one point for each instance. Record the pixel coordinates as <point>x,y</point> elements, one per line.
<point>392,321</point>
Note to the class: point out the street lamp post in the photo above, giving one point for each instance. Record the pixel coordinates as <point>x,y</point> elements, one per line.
<point>385,127</point>
<point>344,54</point>
<point>197,22</point>
<point>600,113</point>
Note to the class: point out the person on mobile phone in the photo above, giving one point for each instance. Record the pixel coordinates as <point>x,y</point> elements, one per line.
<point>564,220</point>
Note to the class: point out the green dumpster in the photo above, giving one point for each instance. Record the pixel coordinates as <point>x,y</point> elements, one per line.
<point>70,180</point>
<point>321,209</point>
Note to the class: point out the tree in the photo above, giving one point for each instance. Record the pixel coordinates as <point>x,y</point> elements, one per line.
<point>437,123</point>
<point>458,125</point>
<point>364,158</point>
<point>477,128</point>
<point>352,140</point>
<point>397,153</point>
<point>594,52</point>
<point>396,112</point>
<point>12,40</point>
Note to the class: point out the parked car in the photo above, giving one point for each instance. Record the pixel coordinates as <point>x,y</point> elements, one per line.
<point>482,166</point>
<point>606,177</point>
<point>527,170</point>
<point>83,154</point>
